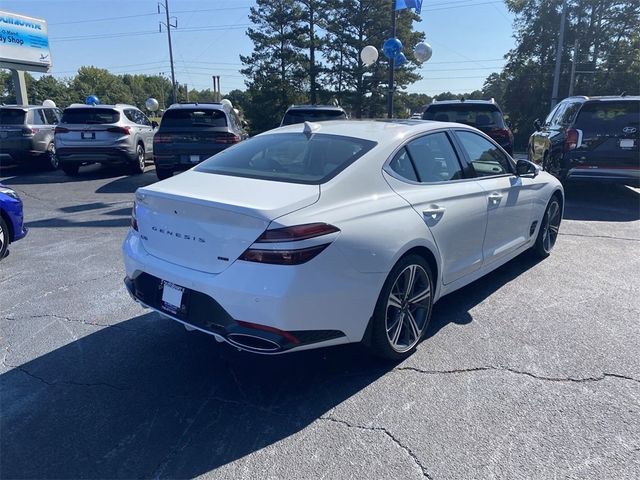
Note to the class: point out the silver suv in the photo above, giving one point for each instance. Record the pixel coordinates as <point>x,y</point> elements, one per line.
<point>107,134</point>
<point>26,135</point>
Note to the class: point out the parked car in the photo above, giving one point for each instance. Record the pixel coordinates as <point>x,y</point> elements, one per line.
<point>107,134</point>
<point>336,232</point>
<point>192,132</point>
<point>590,139</point>
<point>11,219</point>
<point>312,113</point>
<point>485,115</point>
<point>26,135</point>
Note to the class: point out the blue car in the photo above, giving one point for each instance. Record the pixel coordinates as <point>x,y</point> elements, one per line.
<point>11,219</point>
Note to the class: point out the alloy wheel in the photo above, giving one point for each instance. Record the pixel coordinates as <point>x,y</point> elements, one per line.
<point>140,152</point>
<point>3,239</point>
<point>53,158</point>
<point>551,226</point>
<point>408,308</point>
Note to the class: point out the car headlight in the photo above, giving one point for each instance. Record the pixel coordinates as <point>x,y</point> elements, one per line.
<point>9,192</point>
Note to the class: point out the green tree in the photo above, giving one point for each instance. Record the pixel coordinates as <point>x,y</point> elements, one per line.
<point>275,68</point>
<point>109,88</point>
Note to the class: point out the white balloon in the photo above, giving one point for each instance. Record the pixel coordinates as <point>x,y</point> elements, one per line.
<point>227,102</point>
<point>151,104</point>
<point>49,103</point>
<point>369,55</point>
<point>422,52</point>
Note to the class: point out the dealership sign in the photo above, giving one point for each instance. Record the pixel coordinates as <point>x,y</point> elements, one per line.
<point>24,43</point>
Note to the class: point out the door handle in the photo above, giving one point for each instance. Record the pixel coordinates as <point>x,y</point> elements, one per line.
<point>495,197</point>
<point>433,211</point>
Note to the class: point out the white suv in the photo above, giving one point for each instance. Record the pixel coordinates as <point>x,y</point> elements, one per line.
<point>107,134</point>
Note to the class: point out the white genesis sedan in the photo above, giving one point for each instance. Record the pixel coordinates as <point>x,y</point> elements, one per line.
<point>321,234</point>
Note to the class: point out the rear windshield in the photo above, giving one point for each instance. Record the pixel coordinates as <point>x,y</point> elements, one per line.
<point>194,118</point>
<point>289,157</point>
<point>90,115</point>
<point>11,116</point>
<point>608,117</point>
<point>311,115</point>
<point>476,115</point>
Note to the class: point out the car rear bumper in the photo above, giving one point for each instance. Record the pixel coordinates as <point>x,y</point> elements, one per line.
<point>183,161</point>
<point>95,155</point>
<point>321,303</point>
<point>626,176</point>
<point>19,149</point>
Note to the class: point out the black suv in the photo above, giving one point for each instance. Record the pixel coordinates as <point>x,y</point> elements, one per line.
<point>192,132</point>
<point>312,113</point>
<point>590,138</point>
<point>26,135</point>
<point>485,115</point>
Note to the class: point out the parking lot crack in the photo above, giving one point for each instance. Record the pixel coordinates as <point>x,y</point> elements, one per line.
<point>65,382</point>
<point>610,237</point>
<point>395,440</point>
<point>519,372</point>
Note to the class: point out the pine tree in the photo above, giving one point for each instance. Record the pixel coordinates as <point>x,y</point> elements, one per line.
<point>276,67</point>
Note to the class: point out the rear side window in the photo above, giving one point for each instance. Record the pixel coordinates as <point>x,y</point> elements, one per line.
<point>11,116</point>
<point>197,118</point>
<point>608,117</point>
<point>37,117</point>
<point>312,115</point>
<point>434,158</point>
<point>289,157</point>
<point>51,116</point>
<point>90,115</point>
<point>476,115</point>
<point>486,159</point>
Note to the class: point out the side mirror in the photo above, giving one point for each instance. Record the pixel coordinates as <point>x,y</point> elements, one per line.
<point>154,124</point>
<point>526,168</point>
<point>537,125</point>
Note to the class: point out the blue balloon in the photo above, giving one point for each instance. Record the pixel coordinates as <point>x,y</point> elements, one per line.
<point>391,47</point>
<point>92,100</point>
<point>399,60</point>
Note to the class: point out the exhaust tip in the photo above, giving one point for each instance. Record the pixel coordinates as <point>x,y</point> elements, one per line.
<point>252,343</point>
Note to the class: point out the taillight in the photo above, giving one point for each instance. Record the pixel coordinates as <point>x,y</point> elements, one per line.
<point>296,233</point>
<point>501,133</point>
<point>61,130</point>
<point>570,139</point>
<point>282,257</point>
<point>134,220</point>
<point>227,138</point>
<point>120,130</point>
<point>161,138</point>
<point>293,256</point>
<point>29,132</point>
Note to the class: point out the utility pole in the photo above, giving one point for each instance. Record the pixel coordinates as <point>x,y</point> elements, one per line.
<point>573,67</point>
<point>169,26</point>
<point>556,72</point>
<point>391,63</point>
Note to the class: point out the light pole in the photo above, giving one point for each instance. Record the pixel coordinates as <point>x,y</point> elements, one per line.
<point>391,63</point>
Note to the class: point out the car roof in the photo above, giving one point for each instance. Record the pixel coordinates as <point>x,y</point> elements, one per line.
<point>381,131</point>
<point>601,98</point>
<point>185,105</point>
<point>458,102</point>
<point>24,107</point>
<point>112,107</point>
<point>316,107</point>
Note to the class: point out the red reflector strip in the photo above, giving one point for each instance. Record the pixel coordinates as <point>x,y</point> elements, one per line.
<point>265,328</point>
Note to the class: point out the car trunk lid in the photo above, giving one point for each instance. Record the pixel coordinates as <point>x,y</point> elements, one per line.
<point>206,221</point>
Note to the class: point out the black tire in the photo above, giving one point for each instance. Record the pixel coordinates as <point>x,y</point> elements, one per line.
<point>4,238</point>
<point>549,228</point>
<point>49,158</point>
<point>163,173</point>
<point>70,169</point>
<point>398,317</point>
<point>139,163</point>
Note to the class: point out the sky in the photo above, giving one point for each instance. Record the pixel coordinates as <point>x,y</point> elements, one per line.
<point>469,39</point>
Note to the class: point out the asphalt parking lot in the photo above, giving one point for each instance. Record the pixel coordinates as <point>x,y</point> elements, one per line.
<point>531,372</point>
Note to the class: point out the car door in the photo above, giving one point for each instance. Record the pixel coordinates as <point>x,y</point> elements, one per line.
<point>539,143</point>
<point>508,198</point>
<point>42,131</point>
<point>146,130</point>
<point>428,174</point>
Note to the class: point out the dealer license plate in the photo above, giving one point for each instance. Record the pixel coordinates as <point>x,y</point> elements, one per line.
<point>627,143</point>
<point>171,297</point>
<point>194,158</point>
<point>88,135</point>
